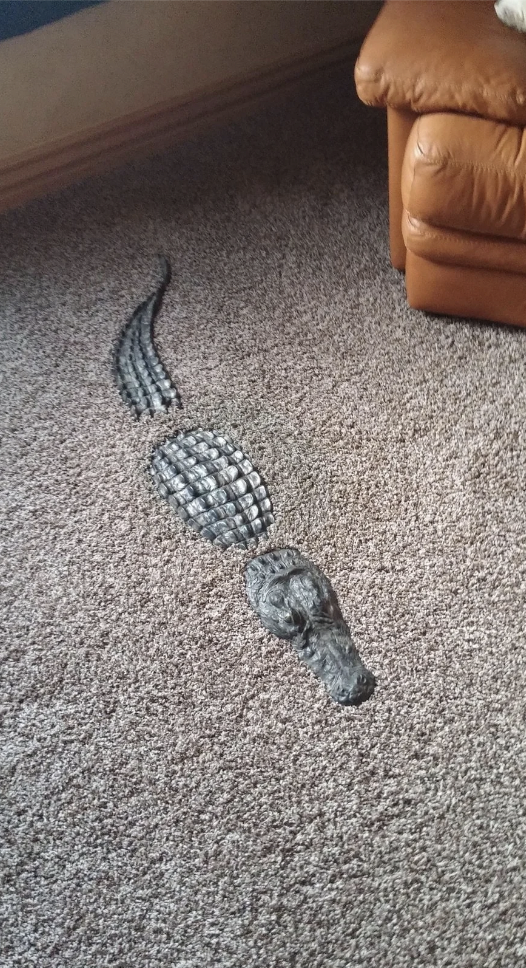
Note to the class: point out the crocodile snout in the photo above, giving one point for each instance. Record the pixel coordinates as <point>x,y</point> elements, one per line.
<point>356,692</point>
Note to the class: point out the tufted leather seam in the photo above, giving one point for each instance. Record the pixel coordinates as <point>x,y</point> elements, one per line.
<point>476,240</point>
<point>519,99</point>
<point>470,165</point>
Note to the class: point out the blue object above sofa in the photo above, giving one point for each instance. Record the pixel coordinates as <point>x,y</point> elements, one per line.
<point>23,16</point>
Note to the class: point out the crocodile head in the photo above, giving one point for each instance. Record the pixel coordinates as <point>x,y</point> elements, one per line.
<point>295,601</point>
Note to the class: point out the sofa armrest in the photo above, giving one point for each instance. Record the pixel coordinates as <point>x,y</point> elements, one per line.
<point>444,55</point>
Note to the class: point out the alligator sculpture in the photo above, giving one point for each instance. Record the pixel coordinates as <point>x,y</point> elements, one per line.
<point>215,490</point>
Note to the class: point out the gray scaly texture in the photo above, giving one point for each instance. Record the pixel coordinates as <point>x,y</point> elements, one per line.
<point>213,487</point>
<point>142,380</point>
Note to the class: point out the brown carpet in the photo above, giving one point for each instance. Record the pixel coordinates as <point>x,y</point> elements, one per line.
<point>178,790</point>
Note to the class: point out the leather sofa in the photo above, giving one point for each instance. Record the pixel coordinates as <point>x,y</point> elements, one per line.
<point>453,80</point>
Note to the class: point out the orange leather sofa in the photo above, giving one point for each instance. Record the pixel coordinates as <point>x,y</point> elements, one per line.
<point>453,80</point>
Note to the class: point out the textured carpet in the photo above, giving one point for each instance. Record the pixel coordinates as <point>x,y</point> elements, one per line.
<point>177,789</point>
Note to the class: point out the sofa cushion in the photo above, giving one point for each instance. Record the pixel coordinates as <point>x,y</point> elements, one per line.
<point>468,174</point>
<point>444,55</point>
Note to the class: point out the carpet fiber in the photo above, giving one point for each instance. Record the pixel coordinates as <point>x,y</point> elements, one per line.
<point>178,790</point>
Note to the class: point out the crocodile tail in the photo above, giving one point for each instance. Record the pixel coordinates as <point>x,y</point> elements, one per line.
<point>141,378</point>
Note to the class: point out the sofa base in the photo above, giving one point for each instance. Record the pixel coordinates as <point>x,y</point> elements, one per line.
<point>449,290</point>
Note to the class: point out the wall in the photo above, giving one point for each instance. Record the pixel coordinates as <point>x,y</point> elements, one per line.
<point>91,90</point>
